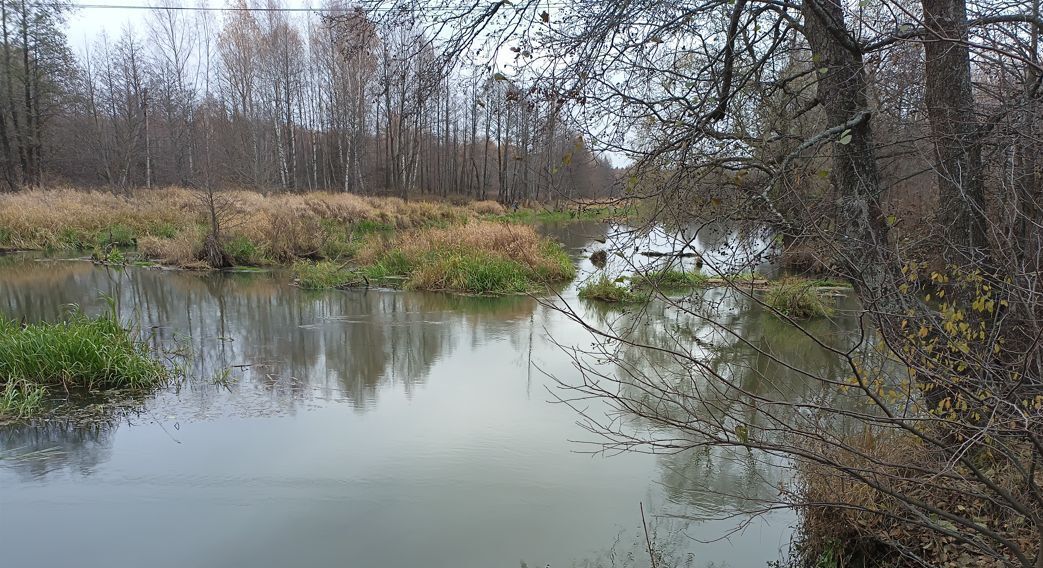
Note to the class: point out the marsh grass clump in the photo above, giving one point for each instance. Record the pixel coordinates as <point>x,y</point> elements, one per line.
<point>80,354</point>
<point>324,275</point>
<point>796,298</point>
<point>599,258</point>
<point>668,280</point>
<point>479,257</point>
<point>605,289</point>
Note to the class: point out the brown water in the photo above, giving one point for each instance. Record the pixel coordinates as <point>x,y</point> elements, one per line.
<point>355,428</point>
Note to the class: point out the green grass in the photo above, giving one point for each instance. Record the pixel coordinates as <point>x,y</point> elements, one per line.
<point>796,298</point>
<point>668,280</point>
<point>323,275</point>
<point>470,271</point>
<point>606,290</point>
<point>82,353</point>
<point>21,399</point>
<point>365,227</point>
<point>115,236</point>
<point>75,239</point>
<point>245,252</point>
<point>163,230</point>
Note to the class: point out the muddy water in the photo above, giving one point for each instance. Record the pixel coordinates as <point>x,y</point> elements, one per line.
<point>353,428</point>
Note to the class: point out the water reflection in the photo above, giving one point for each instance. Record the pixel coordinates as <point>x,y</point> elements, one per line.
<point>380,428</point>
<point>36,451</point>
<point>714,247</point>
<point>281,342</point>
<point>744,358</point>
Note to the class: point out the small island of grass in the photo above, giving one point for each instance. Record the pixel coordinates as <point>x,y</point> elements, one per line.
<point>82,354</point>
<point>797,298</point>
<point>604,289</point>
<point>479,257</point>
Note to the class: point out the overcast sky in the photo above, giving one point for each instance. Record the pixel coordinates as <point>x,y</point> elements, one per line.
<point>86,24</point>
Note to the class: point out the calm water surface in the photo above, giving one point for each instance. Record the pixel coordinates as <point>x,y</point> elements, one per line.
<point>351,428</point>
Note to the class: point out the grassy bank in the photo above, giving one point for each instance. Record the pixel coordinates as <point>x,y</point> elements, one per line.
<point>80,354</point>
<point>478,257</point>
<point>332,240</point>
<point>169,224</point>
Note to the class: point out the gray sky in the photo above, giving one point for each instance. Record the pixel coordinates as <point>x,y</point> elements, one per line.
<point>86,24</point>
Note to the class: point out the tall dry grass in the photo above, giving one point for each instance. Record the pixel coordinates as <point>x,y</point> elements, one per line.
<point>59,218</point>
<point>167,222</point>
<point>519,243</point>
<point>480,257</point>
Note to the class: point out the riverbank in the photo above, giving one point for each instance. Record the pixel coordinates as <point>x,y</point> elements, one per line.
<point>175,227</point>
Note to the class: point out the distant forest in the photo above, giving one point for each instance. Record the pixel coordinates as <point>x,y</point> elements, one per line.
<point>274,100</point>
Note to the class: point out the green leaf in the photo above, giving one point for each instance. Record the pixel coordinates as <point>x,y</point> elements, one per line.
<point>845,137</point>
<point>823,70</point>
<point>892,220</point>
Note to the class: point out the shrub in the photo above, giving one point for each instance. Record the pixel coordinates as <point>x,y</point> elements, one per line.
<point>796,298</point>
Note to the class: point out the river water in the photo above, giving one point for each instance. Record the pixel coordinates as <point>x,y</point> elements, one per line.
<point>354,428</point>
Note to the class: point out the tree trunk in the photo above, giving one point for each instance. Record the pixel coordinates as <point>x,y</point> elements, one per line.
<point>863,240</point>
<point>954,129</point>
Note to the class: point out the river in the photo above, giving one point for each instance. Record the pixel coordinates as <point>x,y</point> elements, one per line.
<point>367,428</point>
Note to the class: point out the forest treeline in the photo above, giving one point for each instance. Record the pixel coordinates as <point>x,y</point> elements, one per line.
<point>275,100</point>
